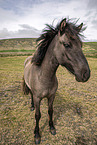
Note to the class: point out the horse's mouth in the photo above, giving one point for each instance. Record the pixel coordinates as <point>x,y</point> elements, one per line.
<point>78,79</point>
<point>84,77</point>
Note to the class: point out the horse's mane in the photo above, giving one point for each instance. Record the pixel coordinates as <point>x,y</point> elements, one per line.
<point>44,41</point>
<point>47,36</point>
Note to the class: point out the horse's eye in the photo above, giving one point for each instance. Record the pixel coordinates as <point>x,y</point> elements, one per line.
<point>66,45</point>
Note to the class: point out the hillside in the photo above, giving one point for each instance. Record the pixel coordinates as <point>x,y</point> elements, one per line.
<point>17,47</point>
<point>19,43</point>
<point>26,46</point>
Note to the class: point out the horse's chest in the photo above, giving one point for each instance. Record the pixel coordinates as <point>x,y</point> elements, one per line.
<point>49,91</point>
<point>45,88</point>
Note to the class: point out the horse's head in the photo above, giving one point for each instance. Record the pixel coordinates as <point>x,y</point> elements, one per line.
<point>68,50</point>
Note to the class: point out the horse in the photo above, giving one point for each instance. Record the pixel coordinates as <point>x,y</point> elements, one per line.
<point>60,45</point>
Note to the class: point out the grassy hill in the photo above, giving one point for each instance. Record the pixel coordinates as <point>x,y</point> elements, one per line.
<point>26,46</point>
<point>17,47</point>
<point>17,43</point>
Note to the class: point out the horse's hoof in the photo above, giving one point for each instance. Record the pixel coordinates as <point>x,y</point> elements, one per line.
<point>53,131</point>
<point>37,140</point>
<point>32,108</point>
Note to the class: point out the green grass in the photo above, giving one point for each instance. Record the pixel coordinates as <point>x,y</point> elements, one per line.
<point>75,108</point>
<point>16,52</point>
<point>22,50</point>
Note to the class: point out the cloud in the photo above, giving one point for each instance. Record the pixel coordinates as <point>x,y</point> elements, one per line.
<point>92,4</point>
<point>25,26</point>
<point>38,12</point>
<point>94,24</point>
<point>8,20</point>
<point>4,33</point>
<point>25,32</point>
<point>26,16</point>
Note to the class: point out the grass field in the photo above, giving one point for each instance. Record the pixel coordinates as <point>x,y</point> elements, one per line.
<point>75,107</point>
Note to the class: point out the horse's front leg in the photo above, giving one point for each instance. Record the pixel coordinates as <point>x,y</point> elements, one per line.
<point>50,112</point>
<point>37,136</point>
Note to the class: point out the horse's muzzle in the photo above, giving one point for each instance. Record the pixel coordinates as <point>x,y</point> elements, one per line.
<point>84,76</point>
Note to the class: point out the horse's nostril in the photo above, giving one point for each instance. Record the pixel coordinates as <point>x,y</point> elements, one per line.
<point>85,75</point>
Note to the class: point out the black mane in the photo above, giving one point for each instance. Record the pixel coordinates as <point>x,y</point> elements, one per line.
<point>44,41</point>
<point>47,36</point>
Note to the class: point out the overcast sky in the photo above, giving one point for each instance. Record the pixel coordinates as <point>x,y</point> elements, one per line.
<point>26,18</point>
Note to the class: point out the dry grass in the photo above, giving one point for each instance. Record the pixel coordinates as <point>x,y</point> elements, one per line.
<point>75,108</point>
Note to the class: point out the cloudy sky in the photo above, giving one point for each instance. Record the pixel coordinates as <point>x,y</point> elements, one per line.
<point>26,18</point>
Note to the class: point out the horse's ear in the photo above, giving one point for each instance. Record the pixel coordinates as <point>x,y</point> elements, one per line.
<point>79,27</point>
<point>62,25</point>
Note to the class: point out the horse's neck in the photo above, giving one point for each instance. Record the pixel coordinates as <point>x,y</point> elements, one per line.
<point>50,63</point>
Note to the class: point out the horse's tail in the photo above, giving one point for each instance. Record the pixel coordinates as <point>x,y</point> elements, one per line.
<point>25,88</point>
